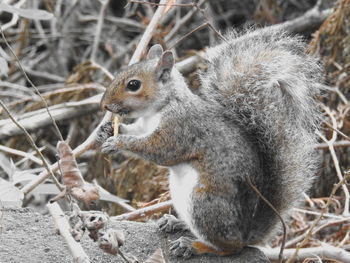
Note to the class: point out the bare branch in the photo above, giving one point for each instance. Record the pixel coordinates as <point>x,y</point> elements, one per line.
<point>99,26</point>
<point>316,222</point>
<point>22,154</point>
<point>32,84</point>
<point>335,159</point>
<point>32,143</point>
<point>146,37</point>
<point>143,212</point>
<point>62,225</point>
<point>325,251</point>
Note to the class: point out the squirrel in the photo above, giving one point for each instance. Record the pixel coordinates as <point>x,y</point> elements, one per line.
<point>254,118</point>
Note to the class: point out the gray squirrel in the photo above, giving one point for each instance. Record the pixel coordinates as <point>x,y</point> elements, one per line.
<point>254,119</point>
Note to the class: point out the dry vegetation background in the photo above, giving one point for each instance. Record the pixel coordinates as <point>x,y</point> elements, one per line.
<point>70,51</point>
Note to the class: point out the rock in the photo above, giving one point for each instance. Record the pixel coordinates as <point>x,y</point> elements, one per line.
<point>42,244</point>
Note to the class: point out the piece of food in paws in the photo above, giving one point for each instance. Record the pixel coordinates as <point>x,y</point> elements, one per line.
<point>115,123</point>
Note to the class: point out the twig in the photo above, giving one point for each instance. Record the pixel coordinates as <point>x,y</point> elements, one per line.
<point>103,69</point>
<point>329,223</point>
<point>339,132</point>
<point>43,75</point>
<point>206,24</point>
<point>30,153</point>
<point>335,159</point>
<point>325,251</point>
<point>312,18</point>
<point>13,86</point>
<point>276,212</point>
<point>31,83</point>
<point>318,213</point>
<point>62,225</point>
<point>122,21</point>
<point>39,118</point>
<point>337,144</point>
<point>15,17</point>
<point>99,26</point>
<point>183,21</point>
<point>146,37</point>
<point>315,223</point>
<point>20,153</point>
<point>163,4</point>
<point>32,143</point>
<point>197,6</point>
<point>149,210</point>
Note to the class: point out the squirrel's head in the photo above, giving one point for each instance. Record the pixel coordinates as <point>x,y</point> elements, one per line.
<point>141,89</point>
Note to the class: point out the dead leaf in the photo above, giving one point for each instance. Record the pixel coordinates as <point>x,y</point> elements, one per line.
<point>111,241</point>
<point>72,177</point>
<point>157,257</point>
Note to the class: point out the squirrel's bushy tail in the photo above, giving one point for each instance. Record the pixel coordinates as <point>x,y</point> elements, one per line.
<point>267,84</point>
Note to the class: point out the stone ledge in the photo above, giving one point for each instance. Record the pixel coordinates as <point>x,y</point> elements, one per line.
<point>27,236</point>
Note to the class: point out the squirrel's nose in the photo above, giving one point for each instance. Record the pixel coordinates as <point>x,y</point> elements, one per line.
<point>104,106</point>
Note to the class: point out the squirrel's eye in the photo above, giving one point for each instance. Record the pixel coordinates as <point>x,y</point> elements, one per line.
<point>133,85</point>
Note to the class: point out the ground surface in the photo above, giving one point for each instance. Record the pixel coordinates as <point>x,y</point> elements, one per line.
<point>27,236</point>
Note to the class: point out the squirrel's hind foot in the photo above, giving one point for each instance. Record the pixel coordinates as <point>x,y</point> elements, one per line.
<point>182,247</point>
<point>170,224</point>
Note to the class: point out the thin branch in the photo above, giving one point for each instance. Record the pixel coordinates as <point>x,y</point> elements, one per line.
<point>206,24</point>
<point>327,224</point>
<point>339,132</point>
<point>39,118</point>
<point>163,4</point>
<point>31,83</point>
<point>182,22</point>
<point>325,251</point>
<point>32,143</point>
<point>43,75</point>
<point>15,17</point>
<point>337,144</point>
<point>316,222</point>
<point>318,213</point>
<point>22,154</point>
<point>146,37</point>
<point>335,159</point>
<point>276,212</point>
<point>311,19</point>
<point>62,225</point>
<point>99,26</point>
<point>143,212</point>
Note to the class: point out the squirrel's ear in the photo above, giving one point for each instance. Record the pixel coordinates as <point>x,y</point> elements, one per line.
<point>165,65</point>
<point>155,51</point>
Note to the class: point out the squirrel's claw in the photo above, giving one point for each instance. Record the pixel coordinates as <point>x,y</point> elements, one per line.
<point>170,224</point>
<point>104,132</point>
<point>109,146</point>
<point>182,247</point>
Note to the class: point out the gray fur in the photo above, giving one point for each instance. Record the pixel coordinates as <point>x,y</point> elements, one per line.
<point>255,117</point>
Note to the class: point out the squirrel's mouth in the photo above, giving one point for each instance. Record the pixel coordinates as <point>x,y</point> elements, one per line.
<point>116,109</point>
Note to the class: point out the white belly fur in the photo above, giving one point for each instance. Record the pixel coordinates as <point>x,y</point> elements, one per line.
<point>183,178</point>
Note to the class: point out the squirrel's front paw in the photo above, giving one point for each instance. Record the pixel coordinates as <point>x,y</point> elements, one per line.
<point>182,247</point>
<point>104,132</point>
<point>110,145</point>
<point>170,224</point>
